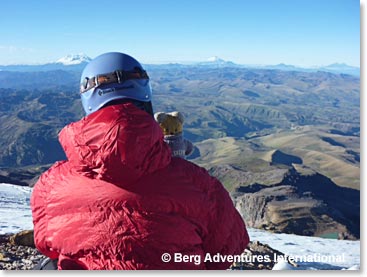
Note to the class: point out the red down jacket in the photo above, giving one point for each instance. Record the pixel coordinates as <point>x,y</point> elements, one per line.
<point>120,201</point>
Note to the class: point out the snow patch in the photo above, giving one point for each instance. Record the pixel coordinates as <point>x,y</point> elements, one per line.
<point>283,265</point>
<point>15,208</point>
<point>319,252</point>
<point>312,253</point>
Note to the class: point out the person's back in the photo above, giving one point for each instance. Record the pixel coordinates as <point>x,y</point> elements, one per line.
<point>121,201</point>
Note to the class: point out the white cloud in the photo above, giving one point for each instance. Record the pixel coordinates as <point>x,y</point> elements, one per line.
<point>10,54</point>
<point>14,49</point>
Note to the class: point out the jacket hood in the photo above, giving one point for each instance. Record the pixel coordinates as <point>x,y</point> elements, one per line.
<point>118,144</point>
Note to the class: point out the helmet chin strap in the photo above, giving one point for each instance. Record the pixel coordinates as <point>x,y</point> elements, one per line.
<point>145,106</point>
<point>148,107</point>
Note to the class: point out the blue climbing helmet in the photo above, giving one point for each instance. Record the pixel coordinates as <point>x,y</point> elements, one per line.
<point>112,76</point>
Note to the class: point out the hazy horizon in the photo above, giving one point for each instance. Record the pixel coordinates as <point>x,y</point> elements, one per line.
<point>189,62</point>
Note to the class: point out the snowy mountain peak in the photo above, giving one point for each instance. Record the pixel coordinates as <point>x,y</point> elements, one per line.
<point>215,59</point>
<point>74,59</point>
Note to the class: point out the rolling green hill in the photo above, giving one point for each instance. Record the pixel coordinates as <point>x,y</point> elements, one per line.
<point>263,133</point>
<point>271,109</point>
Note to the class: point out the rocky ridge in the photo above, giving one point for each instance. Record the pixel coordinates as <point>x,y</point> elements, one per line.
<point>308,204</point>
<point>17,252</point>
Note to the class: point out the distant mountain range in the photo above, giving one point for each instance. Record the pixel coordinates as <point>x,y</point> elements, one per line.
<point>337,68</point>
<point>77,62</point>
<point>216,62</point>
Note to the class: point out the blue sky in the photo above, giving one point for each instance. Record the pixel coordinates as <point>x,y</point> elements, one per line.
<point>299,32</point>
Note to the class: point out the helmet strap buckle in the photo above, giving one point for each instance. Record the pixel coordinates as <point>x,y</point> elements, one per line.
<point>96,81</point>
<point>121,76</point>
